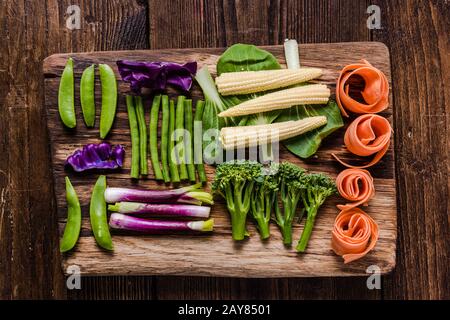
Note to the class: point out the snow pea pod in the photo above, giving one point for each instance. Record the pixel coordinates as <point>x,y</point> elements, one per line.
<point>87,96</point>
<point>73,224</point>
<point>99,219</point>
<point>109,99</point>
<point>66,100</point>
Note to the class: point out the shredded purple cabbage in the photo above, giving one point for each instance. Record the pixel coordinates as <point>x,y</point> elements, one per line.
<point>96,156</point>
<point>156,75</point>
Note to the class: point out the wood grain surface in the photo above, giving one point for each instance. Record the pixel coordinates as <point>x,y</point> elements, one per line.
<point>216,254</point>
<point>416,32</point>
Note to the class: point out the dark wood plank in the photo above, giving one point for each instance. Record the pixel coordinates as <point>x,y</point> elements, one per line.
<point>105,25</point>
<point>29,257</point>
<point>28,243</point>
<point>418,38</point>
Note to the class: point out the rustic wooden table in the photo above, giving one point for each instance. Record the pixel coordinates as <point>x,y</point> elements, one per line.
<point>416,33</point>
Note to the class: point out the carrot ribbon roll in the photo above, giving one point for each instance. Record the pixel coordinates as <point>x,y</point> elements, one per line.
<point>354,234</point>
<point>375,92</point>
<point>355,185</point>
<point>367,135</point>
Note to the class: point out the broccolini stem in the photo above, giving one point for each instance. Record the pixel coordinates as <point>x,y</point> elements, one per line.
<point>306,234</point>
<point>238,222</point>
<point>263,227</point>
<point>286,231</point>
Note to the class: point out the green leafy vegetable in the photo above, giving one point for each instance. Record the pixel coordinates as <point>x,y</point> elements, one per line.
<point>307,144</point>
<point>244,57</point>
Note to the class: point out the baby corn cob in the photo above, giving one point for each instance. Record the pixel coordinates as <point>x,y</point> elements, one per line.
<point>283,99</point>
<point>231,83</point>
<point>250,136</point>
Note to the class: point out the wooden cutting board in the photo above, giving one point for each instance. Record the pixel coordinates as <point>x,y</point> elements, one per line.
<point>216,254</point>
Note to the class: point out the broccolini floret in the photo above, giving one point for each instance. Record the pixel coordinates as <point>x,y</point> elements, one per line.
<point>263,200</point>
<point>235,182</point>
<point>291,182</point>
<point>318,188</point>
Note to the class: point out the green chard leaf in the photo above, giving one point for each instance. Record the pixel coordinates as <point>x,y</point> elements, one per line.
<point>307,144</point>
<point>244,57</point>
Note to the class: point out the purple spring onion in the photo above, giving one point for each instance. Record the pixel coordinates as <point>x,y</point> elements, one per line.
<point>96,156</point>
<point>156,75</point>
<point>124,222</point>
<point>177,210</point>
<point>189,195</point>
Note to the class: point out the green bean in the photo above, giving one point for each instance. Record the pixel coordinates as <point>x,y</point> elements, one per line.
<point>179,137</point>
<point>87,95</point>
<point>154,115</point>
<point>173,167</point>
<point>98,217</point>
<point>73,224</point>
<point>198,140</point>
<point>189,155</point>
<point>66,98</point>
<point>140,112</point>
<point>134,132</point>
<point>109,99</point>
<point>164,138</point>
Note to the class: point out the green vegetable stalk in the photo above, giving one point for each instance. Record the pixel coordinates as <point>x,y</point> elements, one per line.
<point>140,113</point>
<point>189,135</point>
<point>154,116</point>
<point>291,184</point>
<point>134,132</point>
<point>198,138</point>
<point>179,137</point>
<point>235,181</point>
<point>318,188</point>
<point>173,167</point>
<point>165,138</point>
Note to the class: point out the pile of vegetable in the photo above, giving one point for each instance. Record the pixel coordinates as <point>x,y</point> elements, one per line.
<point>355,233</point>
<point>284,189</point>
<point>252,103</point>
<point>66,97</point>
<point>258,103</point>
<point>177,159</point>
<point>179,203</point>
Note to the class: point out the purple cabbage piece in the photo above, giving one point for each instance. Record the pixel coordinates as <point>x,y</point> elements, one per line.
<point>96,156</point>
<point>156,75</point>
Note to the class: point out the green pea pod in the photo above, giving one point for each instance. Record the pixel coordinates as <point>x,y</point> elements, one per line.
<point>99,219</point>
<point>87,95</point>
<point>109,99</point>
<point>73,224</point>
<point>66,99</point>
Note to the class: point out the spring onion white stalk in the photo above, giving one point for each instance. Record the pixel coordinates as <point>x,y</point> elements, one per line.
<point>291,54</point>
